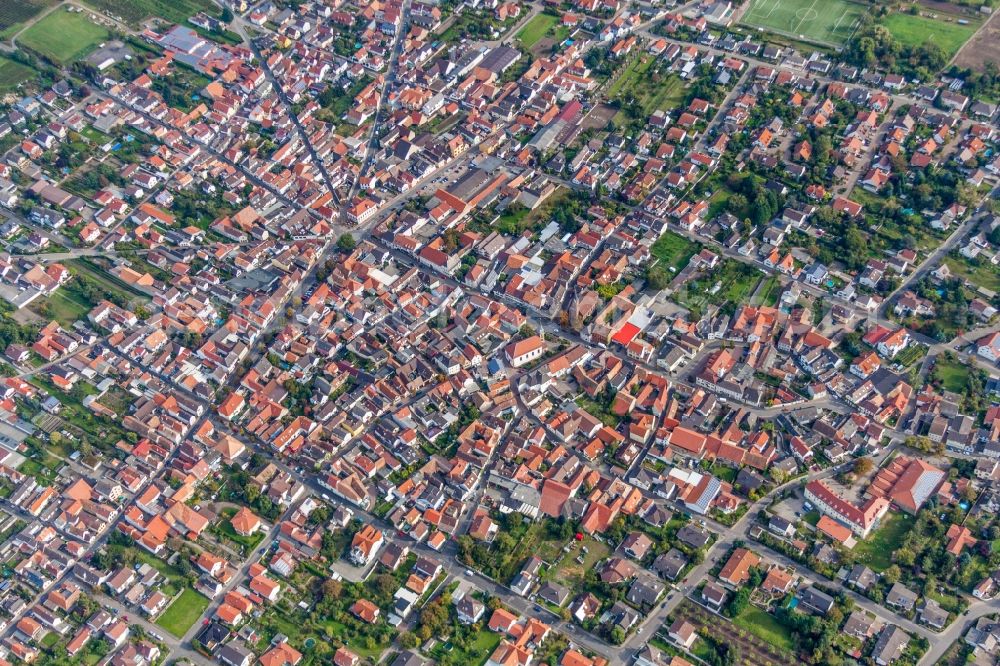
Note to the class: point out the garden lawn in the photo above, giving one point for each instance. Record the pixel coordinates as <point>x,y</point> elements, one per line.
<point>953,376</point>
<point>64,36</point>
<point>636,83</point>
<point>981,273</point>
<point>764,626</point>
<point>599,411</point>
<point>731,282</point>
<point>63,306</point>
<point>571,573</point>
<point>768,294</point>
<point>536,29</point>
<point>183,612</point>
<point>517,219</point>
<point>876,550</point>
<point>225,529</point>
<point>723,472</point>
<point>108,282</point>
<point>353,639</point>
<point>476,651</point>
<point>45,469</point>
<point>674,250</point>
<point>912,30</point>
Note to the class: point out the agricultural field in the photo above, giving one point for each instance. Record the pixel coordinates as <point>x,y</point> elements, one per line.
<point>15,13</point>
<point>63,36</point>
<point>832,22</point>
<point>12,74</point>
<point>914,30</point>
<point>135,12</point>
<point>983,48</point>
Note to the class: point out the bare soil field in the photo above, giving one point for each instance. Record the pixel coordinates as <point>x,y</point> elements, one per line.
<point>946,7</point>
<point>599,117</point>
<point>984,46</point>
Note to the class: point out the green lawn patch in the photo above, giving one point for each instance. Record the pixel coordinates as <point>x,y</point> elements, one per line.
<point>571,573</point>
<point>41,473</point>
<point>980,273</point>
<point>950,602</point>
<point>517,219</point>
<point>64,306</point>
<point>108,282</point>
<point>952,375</point>
<point>181,90</point>
<point>718,202</point>
<point>224,529</point>
<point>183,612</point>
<point>729,284</point>
<point>764,626</point>
<point>175,580</point>
<point>64,36</point>
<point>13,73</point>
<point>599,411</point>
<point>642,89</point>
<point>911,30</point>
<point>770,292</point>
<point>474,24</point>
<point>351,632</point>
<point>876,550</point>
<point>536,29</point>
<point>674,250</point>
<point>831,22</point>
<point>723,472</point>
<point>476,651</point>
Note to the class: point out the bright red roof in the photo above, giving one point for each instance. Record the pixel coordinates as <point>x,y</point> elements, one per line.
<point>626,334</point>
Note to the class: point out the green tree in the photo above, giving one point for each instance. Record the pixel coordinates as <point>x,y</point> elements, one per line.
<point>346,242</point>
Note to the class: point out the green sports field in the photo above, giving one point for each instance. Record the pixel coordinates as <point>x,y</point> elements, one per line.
<point>829,22</point>
<point>913,30</point>
<point>64,36</point>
